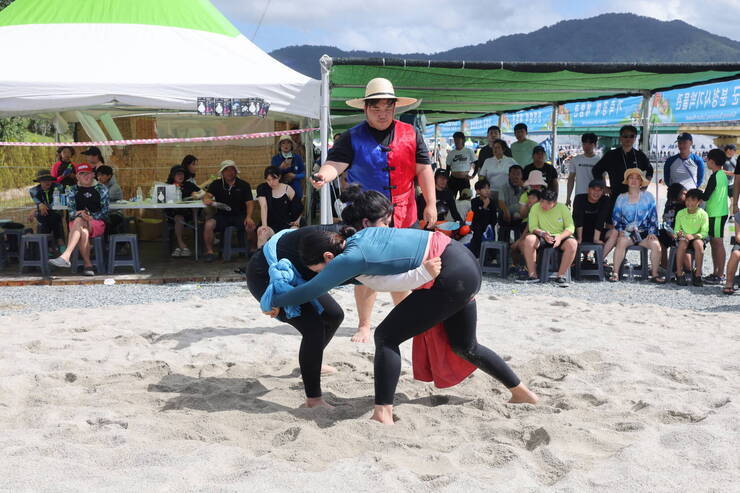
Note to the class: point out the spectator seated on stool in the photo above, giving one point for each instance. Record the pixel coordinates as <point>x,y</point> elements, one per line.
<point>104,175</point>
<point>636,220</point>
<point>50,221</point>
<point>550,226</point>
<point>485,213</point>
<point>591,213</point>
<point>88,209</point>
<point>188,190</point>
<point>237,195</point>
<point>692,228</point>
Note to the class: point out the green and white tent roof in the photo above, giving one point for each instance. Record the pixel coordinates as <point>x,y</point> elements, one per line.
<point>134,55</point>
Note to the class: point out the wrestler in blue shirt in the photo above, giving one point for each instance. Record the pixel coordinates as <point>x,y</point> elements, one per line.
<point>374,251</point>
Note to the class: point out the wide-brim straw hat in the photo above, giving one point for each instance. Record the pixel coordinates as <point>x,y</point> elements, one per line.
<point>227,164</point>
<point>636,171</point>
<point>380,88</point>
<point>535,178</point>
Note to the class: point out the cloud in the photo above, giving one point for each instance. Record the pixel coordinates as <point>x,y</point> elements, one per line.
<point>399,27</point>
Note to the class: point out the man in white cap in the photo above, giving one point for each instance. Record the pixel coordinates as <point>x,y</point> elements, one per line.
<point>235,193</point>
<point>385,155</point>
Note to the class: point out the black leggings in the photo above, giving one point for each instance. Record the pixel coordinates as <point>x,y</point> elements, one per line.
<point>449,301</point>
<point>317,330</point>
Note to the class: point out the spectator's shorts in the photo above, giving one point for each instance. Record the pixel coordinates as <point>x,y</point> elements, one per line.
<point>717,226</point>
<point>223,221</point>
<point>97,227</point>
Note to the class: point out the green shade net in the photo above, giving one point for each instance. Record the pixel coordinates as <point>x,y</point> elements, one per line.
<point>199,15</point>
<point>449,91</point>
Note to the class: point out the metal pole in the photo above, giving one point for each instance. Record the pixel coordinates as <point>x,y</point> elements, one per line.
<point>436,145</point>
<point>647,103</point>
<point>307,187</point>
<point>554,135</point>
<point>325,193</point>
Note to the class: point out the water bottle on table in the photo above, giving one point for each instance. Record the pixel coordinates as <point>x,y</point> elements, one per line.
<point>56,198</point>
<point>139,194</point>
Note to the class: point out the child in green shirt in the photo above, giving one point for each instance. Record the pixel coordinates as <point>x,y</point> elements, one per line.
<point>715,196</point>
<point>692,228</point>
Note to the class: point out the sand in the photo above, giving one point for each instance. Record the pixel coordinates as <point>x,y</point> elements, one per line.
<point>204,395</point>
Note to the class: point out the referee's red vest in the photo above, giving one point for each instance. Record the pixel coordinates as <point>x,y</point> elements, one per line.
<point>389,170</point>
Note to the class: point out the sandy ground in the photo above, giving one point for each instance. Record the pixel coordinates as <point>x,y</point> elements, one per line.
<point>203,396</point>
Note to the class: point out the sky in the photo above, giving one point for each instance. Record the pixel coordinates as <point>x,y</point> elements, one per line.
<point>430,26</point>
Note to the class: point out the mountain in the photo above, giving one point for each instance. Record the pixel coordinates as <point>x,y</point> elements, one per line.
<point>604,38</point>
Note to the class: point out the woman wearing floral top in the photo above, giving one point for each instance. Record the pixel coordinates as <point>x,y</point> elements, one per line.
<point>636,219</point>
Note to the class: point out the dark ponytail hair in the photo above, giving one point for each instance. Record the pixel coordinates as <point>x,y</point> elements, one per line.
<point>186,162</point>
<point>370,205</point>
<point>317,241</point>
<point>674,190</point>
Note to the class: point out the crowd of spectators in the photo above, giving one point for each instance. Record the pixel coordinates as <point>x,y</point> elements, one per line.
<point>511,193</point>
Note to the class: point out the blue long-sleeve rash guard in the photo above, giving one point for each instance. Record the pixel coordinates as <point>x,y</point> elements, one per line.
<point>372,251</point>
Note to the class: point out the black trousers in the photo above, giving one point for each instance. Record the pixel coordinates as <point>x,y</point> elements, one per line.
<point>457,185</point>
<point>316,329</point>
<point>449,301</point>
<point>51,224</point>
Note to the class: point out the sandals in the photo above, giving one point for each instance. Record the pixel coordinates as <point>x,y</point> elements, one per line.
<point>728,290</point>
<point>613,277</point>
<point>658,280</point>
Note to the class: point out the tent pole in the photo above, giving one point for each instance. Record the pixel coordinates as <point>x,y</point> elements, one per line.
<point>436,144</point>
<point>554,135</point>
<point>647,103</point>
<point>325,192</point>
<point>307,187</point>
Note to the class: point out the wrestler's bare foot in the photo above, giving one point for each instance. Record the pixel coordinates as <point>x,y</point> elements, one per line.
<point>362,334</point>
<point>328,370</point>
<point>383,414</point>
<point>522,395</point>
<point>312,402</point>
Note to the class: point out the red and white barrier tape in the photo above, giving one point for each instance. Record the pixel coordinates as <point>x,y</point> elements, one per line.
<point>176,140</point>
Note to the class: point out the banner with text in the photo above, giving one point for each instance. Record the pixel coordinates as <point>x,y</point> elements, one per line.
<point>705,103</point>
<point>537,120</point>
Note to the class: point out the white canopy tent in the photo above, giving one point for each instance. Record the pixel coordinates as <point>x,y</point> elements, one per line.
<point>131,56</point>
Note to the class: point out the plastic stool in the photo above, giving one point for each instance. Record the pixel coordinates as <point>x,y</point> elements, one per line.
<point>228,249</point>
<point>550,262</point>
<point>113,261</point>
<point>26,259</point>
<point>97,252</point>
<point>671,274</point>
<point>13,242</point>
<point>643,263</point>
<point>598,253</point>
<point>3,251</point>
<point>501,256</point>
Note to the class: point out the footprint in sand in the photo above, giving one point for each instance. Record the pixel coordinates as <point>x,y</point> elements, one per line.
<point>593,400</point>
<point>287,436</point>
<point>672,416</point>
<point>100,422</point>
<point>628,426</point>
<point>536,438</point>
<point>70,377</point>
<point>640,405</point>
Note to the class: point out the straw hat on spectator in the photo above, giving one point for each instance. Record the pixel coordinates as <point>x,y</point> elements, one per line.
<point>535,178</point>
<point>380,88</point>
<point>636,171</point>
<point>226,164</point>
